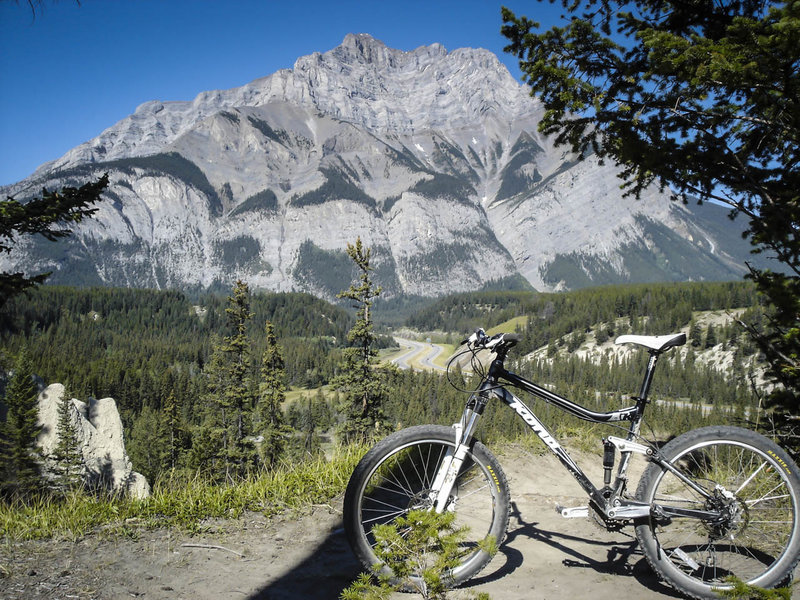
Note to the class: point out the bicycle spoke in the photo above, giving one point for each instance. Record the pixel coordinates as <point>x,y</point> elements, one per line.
<point>383,517</point>
<point>399,485</point>
<point>749,479</point>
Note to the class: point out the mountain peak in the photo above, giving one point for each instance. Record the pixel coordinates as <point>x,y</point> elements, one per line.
<point>431,156</point>
<point>362,81</point>
<point>366,48</point>
<point>362,44</point>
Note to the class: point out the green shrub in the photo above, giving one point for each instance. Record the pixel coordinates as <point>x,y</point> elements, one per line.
<point>743,591</point>
<point>420,548</point>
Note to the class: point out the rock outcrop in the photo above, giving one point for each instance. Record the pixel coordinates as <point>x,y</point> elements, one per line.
<point>98,428</point>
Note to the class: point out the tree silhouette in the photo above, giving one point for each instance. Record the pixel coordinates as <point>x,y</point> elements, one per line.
<point>700,97</point>
<point>47,216</point>
<point>20,462</point>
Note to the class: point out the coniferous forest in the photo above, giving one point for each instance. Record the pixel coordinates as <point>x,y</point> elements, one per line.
<point>193,375</point>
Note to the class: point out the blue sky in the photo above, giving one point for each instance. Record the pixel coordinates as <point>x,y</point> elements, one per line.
<point>75,70</point>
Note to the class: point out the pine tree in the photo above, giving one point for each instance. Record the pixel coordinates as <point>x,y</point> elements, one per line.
<point>47,216</point>
<point>229,399</point>
<point>272,393</point>
<point>171,433</point>
<point>67,459</point>
<point>308,428</point>
<point>699,98</point>
<point>360,382</point>
<point>695,334</point>
<point>208,437</point>
<point>321,410</point>
<point>19,454</point>
<point>711,336</point>
<point>144,445</point>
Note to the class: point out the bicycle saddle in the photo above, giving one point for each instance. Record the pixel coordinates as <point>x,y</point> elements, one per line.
<point>659,343</point>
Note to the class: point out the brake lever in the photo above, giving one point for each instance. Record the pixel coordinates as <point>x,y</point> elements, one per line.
<point>477,338</point>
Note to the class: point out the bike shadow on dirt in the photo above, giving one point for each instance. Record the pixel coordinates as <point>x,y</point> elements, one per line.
<point>332,567</point>
<point>322,575</point>
<point>622,555</point>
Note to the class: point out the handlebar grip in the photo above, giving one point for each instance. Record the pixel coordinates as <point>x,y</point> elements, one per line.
<point>480,339</point>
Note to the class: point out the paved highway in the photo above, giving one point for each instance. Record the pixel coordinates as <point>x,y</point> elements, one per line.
<point>418,352</point>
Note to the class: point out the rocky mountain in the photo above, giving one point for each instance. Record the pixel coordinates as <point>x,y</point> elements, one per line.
<point>432,157</point>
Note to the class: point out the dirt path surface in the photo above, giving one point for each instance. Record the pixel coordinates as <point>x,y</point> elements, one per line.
<point>306,556</point>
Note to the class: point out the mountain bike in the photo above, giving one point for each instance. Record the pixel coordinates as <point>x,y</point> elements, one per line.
<point>712,503</point>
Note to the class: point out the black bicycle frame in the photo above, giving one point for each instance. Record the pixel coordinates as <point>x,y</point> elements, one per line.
<point>491,387</point>
<point>606,500</point>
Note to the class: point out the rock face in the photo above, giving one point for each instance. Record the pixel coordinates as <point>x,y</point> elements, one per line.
<point>99,431</point>
<point>432,157</point>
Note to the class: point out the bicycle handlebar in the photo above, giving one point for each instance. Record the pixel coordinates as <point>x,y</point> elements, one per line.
<point>479,340</point>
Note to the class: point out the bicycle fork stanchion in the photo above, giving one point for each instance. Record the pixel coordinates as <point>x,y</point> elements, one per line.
<point>451,465</point>
<point>446,477</point>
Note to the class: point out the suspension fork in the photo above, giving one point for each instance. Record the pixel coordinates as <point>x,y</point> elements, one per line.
<point>451,464</point>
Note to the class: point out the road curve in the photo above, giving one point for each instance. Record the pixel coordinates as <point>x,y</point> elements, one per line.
<point>420,352</point>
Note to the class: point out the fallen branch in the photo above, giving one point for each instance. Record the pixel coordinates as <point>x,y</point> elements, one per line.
<point>211,547</point>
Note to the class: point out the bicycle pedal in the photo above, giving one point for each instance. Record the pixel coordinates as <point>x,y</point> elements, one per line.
<point>575,512</point>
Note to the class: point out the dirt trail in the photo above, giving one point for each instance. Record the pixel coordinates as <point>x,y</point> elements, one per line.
<point>306,557</point>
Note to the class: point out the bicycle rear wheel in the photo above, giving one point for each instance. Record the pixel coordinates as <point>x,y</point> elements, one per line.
<point>395,477</point>
<point>755,490</point>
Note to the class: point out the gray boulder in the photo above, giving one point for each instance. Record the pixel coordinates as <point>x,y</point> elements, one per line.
<point>98,428</point>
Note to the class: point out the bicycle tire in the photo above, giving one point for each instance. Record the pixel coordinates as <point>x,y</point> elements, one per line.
<point>393,478</point>
<point>757,487</point>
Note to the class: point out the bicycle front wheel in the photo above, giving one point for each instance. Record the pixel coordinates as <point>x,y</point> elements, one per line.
<point>751,486</point>
<point>395,477</point>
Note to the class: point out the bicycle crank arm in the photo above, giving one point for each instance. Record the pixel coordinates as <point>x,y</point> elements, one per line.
<point>575,512</point>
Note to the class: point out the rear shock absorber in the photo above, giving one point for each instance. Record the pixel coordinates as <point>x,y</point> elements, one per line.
<point>608,461</point>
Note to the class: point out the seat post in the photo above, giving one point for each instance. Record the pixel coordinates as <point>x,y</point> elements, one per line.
<point>648,375</point>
